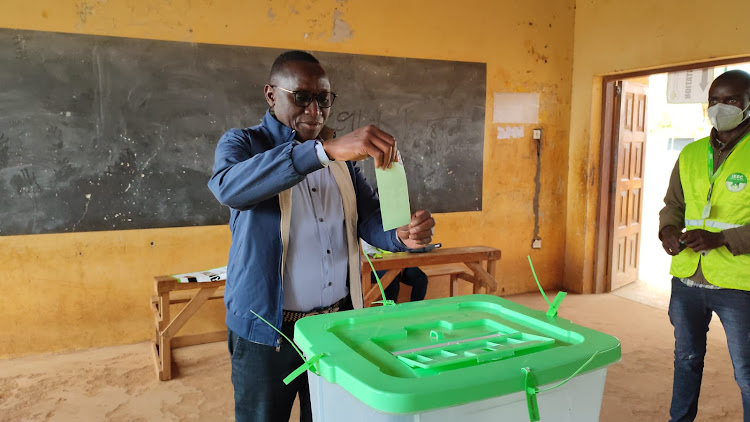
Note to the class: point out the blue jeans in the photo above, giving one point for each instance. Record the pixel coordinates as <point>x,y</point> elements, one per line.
<point>257,373</point>
<point>690,311</point>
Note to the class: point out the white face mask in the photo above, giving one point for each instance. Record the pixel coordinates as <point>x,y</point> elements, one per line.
<point>726,117</point>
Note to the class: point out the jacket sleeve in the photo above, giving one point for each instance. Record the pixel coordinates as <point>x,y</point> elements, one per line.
<point>673,213</point>
<point>738,240</point>
<point>245,173</point>
<point>370,223</point>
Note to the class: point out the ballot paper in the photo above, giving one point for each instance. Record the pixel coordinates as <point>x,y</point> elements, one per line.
<point>215,274</point>
<point>394,196</point>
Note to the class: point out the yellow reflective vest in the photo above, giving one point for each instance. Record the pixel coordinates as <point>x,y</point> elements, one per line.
<point>729,208</point>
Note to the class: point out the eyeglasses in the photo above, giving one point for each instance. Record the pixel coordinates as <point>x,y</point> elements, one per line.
<point>305,98</point>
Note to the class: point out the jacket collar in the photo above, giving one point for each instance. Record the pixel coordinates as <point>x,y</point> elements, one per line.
<point>279,133</point>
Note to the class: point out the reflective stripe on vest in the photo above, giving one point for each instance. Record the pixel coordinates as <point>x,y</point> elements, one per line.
<point>730,208</point>
<point>712,224</point>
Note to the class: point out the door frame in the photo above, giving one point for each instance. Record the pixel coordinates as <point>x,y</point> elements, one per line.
<point>608,149</point>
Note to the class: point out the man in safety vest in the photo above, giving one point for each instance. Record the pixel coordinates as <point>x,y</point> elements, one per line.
<point>708,197</point>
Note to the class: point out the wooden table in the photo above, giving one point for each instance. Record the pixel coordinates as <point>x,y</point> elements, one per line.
<point>473,257</point>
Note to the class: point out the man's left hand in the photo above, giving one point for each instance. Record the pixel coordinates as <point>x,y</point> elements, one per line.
<point>702,241</point>
<point>419,231</point>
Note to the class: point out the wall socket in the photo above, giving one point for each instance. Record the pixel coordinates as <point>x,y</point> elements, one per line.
<point>536,244</point>
<point>537,134</point>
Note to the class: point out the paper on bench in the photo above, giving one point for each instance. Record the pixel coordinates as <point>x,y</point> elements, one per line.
<point>215,274</point>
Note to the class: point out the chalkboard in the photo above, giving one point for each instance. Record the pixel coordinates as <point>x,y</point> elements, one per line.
<point>106,133</point>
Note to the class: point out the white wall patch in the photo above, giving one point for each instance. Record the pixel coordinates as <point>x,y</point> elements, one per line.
<point>514,107</point>
<point>510,132</point>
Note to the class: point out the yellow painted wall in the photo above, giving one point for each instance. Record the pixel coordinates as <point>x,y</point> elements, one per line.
<point>614,37</point>
<point>74,291</point>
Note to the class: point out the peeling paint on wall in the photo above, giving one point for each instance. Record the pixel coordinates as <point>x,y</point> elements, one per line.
<point>86,9</point>
<point>341,29</point>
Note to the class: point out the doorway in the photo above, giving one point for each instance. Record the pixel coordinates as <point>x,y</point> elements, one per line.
<point>636,266</point>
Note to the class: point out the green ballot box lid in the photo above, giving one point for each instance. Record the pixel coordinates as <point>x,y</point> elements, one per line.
<point>426,355</point>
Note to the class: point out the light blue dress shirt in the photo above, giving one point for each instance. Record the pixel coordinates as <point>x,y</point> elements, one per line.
<point>317,264</point>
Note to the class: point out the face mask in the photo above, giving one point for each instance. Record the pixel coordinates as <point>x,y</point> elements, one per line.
<point>726,117</point>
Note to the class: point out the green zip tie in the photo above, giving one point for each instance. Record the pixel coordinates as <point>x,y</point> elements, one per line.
<point>578,371</point>
<point>552,311</point>
<point>282,334</point>
<point>537,281</point>
<point>309,364</point>
<point>553,306</point>
<point>531,390</point>
<point>385,301</point>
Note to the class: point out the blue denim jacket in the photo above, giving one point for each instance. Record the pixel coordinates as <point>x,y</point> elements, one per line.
<point>252,168</point>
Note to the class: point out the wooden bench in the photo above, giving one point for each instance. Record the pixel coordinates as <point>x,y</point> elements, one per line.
<point>169,291</point>
<point>475,264</point>
<point>455,271</point>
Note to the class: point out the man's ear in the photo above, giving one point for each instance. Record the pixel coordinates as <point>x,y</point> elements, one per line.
<point>269,94</point>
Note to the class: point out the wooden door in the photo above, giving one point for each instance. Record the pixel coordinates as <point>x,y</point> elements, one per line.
<point>630,143</point>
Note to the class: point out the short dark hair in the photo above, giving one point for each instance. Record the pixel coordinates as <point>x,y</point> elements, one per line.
<point>736,76</point>
<point>290,56</point>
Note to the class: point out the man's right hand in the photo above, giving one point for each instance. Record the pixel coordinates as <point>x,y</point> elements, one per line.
<point>368,141</point>
<point>670,240</point>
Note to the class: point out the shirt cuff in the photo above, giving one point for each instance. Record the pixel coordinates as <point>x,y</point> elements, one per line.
<point>400,243</point>
<point>321,153</point>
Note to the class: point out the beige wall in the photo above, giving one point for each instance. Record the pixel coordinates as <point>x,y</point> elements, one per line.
<point>81,290</point>
<point>615,37</point>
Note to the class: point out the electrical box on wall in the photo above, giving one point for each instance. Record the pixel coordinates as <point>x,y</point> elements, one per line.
<point>537,134</point>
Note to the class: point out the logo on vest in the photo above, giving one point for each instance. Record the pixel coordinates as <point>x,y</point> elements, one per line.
<point>736,182</point>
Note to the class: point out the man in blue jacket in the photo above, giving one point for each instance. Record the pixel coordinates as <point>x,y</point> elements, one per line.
<point>298,207</point>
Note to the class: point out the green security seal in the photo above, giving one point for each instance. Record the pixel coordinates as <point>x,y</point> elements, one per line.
<point>736,182</point>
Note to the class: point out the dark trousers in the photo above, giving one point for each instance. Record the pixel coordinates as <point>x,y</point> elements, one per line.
<point>260,395</point>
<point>413,277</point>
<point>690,311</point>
